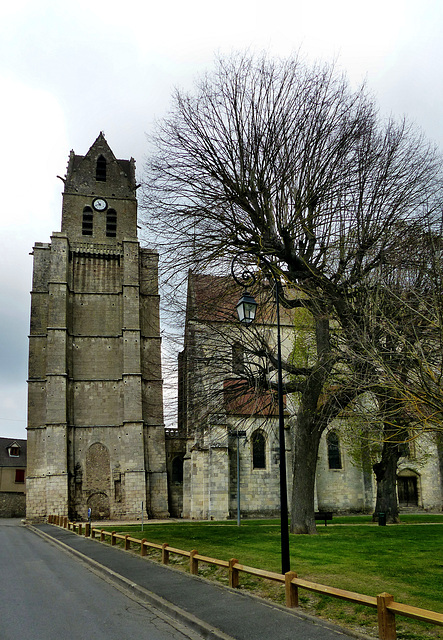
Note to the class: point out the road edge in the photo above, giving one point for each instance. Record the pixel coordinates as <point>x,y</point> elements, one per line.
<point>206,631</point>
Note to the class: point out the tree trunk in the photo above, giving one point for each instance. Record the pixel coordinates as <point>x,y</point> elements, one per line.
<point>367,471</point>
<point>306,441</point>
<point>440,462</point>
<point>307,434</point>
<point>386,475</point>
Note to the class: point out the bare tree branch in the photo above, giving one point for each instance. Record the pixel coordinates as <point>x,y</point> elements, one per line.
<point>286,163</point>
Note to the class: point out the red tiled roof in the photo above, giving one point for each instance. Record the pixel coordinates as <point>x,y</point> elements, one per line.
<point>214,299</point>
<point>243,400</point>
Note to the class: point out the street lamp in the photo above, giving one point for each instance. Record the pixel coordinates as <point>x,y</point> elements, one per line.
<point>246,308</point>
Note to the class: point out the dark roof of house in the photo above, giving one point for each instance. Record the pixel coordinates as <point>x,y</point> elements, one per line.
<point>5,459</point>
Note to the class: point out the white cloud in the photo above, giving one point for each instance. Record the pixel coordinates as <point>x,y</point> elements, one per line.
<point>32,130</point>
<point>69,70</point>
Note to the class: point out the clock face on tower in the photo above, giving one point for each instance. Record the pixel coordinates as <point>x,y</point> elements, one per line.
<point>99,204</point>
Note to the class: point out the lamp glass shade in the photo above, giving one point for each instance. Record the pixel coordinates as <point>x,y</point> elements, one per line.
<point>246,308</point>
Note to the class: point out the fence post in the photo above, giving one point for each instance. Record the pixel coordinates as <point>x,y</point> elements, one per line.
<point>80,529</point>
<point>233,573</point>
<point>65,522</point>
<point>165,553</point>
<point>386,619</point>
<point>193,563</point>
<point>113,539</point>
<point>142,547</point>
<point>291,590</point>
<point>127,543</point>
<point>87,530</point>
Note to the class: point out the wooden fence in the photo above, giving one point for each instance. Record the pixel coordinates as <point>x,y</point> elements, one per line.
<point>386,607</point>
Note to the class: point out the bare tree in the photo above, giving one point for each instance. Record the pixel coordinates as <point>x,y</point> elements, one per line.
<point>403,337</point>
<point>285,162</point>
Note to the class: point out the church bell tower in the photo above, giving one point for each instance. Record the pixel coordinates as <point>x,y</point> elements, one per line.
<point>95,405</point>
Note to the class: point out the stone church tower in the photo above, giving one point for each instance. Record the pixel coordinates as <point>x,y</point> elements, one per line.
<point>95,406</point>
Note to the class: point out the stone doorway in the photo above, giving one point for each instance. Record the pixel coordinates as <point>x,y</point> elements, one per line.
<point>99,505</point>
<point>407,487</point>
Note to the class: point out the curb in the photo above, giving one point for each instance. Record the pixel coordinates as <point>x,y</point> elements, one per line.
<point>189,620</point>
<point>206,631</point>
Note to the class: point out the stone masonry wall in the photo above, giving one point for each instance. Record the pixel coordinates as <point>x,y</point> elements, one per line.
<point>12,505</point>
<point>95,380</point>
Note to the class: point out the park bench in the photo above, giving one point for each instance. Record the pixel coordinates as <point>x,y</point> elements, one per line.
<point>323,515</point>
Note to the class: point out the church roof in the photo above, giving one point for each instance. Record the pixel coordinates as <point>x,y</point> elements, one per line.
<point>213,298</point>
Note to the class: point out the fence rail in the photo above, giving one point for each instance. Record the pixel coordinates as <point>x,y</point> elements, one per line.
<point>386,607</point>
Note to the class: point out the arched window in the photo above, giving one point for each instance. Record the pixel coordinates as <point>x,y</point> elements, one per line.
<point>177,469</point>
<point>111,223</point>
<point>334,457</point>
<point>87,222</point>
<point>258,450</point>
<point>238,364</point>
<point>100,169</point>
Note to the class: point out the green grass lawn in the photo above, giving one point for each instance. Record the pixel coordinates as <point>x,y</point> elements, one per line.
<point>405,560</point>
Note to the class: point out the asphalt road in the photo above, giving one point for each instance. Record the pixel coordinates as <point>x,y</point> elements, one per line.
<point>46,594</point>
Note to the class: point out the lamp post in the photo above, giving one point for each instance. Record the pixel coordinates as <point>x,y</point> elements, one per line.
<point>246,308</point>
<point>238,434</point>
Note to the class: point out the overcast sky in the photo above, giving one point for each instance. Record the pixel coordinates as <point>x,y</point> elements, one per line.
<point>71,70</point>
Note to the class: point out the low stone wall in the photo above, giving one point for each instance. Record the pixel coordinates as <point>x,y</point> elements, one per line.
<point>12,505</point>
